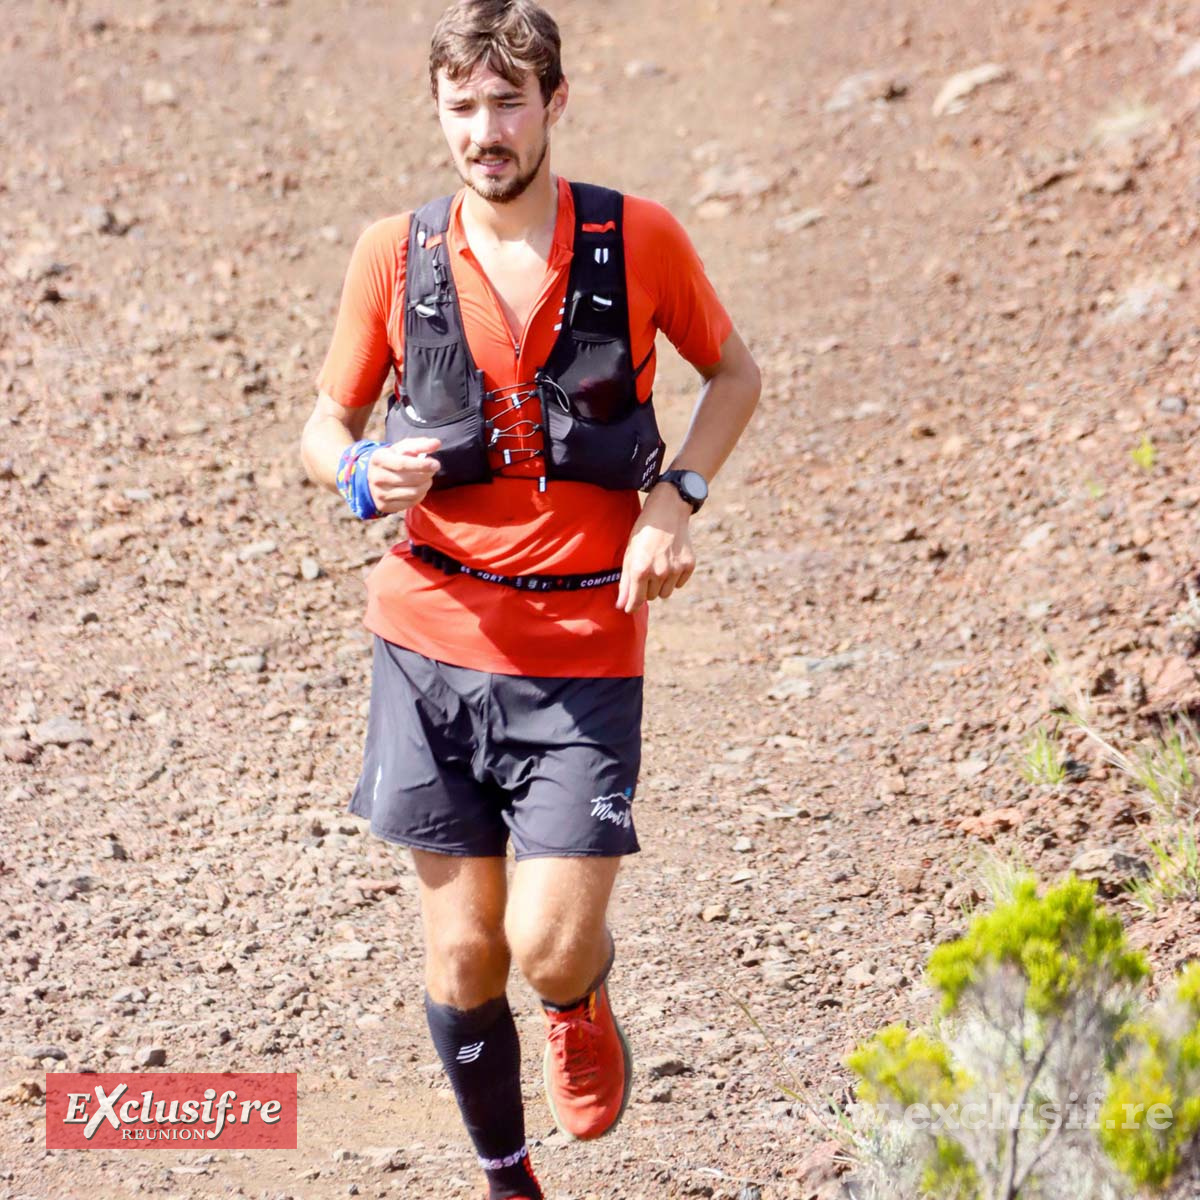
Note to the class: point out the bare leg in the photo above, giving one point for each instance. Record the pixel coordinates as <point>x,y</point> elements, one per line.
<point>556,923</point>
<point>462,912</point>
<point>559,937</point>
<point>466,974</point>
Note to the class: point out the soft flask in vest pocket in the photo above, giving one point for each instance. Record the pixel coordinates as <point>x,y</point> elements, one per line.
<point>462,457</point>
<point>599,432</point>
<point>626,453</point>
<point>591,363</point>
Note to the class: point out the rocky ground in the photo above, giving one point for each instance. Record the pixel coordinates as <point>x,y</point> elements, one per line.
<point>972,298</point>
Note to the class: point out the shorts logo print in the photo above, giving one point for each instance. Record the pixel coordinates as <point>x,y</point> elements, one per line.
<point>468,1054</point>
<point>614,807</point>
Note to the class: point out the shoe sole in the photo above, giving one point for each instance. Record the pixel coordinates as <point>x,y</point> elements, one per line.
<point>627,1054</point>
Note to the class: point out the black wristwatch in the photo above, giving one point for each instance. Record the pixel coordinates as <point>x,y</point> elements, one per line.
<point>690,485</point>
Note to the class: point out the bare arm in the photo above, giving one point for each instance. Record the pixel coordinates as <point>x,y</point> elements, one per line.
<point>327,432</point>
<point>659,556</point>
<point>399,474</point>
<point>723,410</point>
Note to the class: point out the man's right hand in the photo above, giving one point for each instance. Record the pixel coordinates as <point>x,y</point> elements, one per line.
<point>400,473</point>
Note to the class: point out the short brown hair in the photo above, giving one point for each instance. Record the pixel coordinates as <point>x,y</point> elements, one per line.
<point>512,37</point>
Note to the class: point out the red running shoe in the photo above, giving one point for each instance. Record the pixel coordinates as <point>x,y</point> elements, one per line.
<point>588,1067</point>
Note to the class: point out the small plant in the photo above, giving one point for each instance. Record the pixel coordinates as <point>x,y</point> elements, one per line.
<point>1144,454</point>
<point>982,1106</point>
<point>1163,769</point>
<point>1042,761</point>
<point>1000,875</point>
<point>1166,771</point>
<point>1177,874</point>
<point>1161,1067</point>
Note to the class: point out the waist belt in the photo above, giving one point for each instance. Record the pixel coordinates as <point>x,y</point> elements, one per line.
<point>523,583</point>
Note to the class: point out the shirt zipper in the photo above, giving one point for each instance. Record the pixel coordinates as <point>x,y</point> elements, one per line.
<point>548,282</point>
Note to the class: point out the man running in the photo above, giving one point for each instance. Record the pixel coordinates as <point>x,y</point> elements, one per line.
<point>519,317</point>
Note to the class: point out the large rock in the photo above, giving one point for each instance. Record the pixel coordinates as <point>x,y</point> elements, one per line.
<point>820,1171</point>
<point>1189,63</point>
<point>247,664</point>
<point>1109,865</point>
<point>159,93</point>
<point>1171,683</point>
<point>26,1091</point>
<point>735,184</point>
<point>60,731</point>
<point>387,1158</point>
<point>663,1065</point>
<point>352,951</point>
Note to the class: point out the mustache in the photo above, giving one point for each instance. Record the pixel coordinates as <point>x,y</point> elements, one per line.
<point>490,152</point>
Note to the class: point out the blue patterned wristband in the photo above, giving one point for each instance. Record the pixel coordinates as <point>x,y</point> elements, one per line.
<point>352,479</point>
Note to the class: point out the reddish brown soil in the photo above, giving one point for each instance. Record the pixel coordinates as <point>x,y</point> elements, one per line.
<point>936,503</point>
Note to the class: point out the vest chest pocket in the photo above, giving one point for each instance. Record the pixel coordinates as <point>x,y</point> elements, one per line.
<point>626,453</point>
<point>593,428</point>
<point>451,409</point>
<point>439,374</point>
<point>591,364</point>
<point>596,382</point>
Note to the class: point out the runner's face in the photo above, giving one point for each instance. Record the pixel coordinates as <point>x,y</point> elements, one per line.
<point>498,134</point>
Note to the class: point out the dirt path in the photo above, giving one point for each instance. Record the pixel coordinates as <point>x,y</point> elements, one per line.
<point>967,321</point>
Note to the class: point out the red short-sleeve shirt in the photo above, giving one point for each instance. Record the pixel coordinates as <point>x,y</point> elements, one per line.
<point>508,525</point>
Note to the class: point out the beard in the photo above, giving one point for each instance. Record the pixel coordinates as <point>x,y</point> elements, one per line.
<point>501,191</point>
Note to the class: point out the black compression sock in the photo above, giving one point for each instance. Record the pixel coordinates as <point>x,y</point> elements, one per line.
<point>482,1059</point>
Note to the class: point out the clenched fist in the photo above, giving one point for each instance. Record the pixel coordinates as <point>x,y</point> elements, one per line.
<point>400,473</point>
<point>659,556</point>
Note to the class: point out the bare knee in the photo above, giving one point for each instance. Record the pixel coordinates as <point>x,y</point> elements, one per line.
<point>462,914</point>
<point>466,966</point>
<point>559,959</point>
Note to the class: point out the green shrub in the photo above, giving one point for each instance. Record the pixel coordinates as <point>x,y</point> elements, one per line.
<point>1035,1005</point>
<point>1161,1067</point>
<point>1061,945</point>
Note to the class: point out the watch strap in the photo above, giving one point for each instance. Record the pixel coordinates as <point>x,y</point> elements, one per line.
<point>675,478</point>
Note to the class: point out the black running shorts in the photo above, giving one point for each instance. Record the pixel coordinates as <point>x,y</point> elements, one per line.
<point>457,760</point>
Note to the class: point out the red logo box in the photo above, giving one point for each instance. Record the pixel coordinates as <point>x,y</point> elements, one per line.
<point>143,1110</point>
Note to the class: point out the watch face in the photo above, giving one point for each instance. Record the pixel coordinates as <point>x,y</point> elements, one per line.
<point>693,484</point>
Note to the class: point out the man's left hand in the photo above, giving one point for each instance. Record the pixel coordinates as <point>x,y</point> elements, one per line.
<point>659,556</point>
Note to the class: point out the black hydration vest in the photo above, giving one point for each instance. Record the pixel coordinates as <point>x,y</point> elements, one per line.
<point>583,401</point>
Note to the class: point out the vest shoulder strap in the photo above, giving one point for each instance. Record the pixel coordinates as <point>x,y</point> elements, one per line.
<point>596,300</point>
<point>596,207</point>
<point>428,284</point>
<point>434,217</point>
